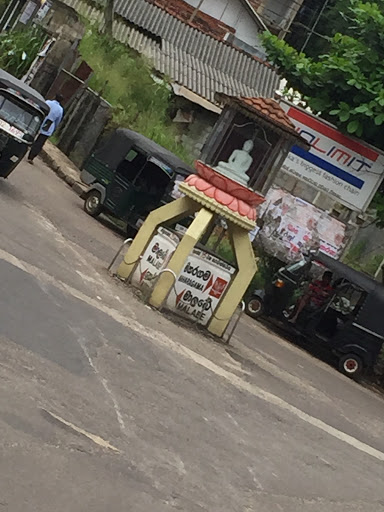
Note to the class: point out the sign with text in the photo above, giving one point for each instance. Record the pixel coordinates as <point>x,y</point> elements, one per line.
<point>155,258</point>
<point>292,226</point>
<point>200,286</point>
<point>338,165</point>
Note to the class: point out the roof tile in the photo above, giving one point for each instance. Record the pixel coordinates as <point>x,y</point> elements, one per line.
<point>269,108</point>
<point>202,21</point>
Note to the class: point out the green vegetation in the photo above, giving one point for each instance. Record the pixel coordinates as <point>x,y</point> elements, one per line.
<point>334,19</point>
<point>125,79</point>
<point>19,49</point>
<point>345,84</point>
<point>357,259</point>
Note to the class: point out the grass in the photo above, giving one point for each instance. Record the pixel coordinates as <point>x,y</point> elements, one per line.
<point>358,259</point>
<point>19,48</point>
<point>140,100</point>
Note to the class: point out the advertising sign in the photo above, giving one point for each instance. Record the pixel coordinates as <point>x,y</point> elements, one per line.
<point>338,165</point>
<point>292,226</point>
<point>155,258</point>
<point>200,286</point>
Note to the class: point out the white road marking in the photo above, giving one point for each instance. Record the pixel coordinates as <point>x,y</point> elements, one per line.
<point>96,439</point>
<point>255,479</point>
<point>165,341</point>
<point>82,342</point>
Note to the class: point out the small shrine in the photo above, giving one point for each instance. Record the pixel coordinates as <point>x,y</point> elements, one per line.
<point>250,140</point>
<point>238,163</point>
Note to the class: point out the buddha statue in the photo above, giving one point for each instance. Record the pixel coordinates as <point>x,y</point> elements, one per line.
<point>238,164</point>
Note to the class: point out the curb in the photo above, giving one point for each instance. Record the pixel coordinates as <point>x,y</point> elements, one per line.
<point>63,168</point>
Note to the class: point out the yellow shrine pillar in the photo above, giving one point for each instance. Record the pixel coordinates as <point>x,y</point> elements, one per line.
<point>206,195</point>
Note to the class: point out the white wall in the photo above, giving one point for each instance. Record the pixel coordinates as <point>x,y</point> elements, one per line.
<point>234,14</point>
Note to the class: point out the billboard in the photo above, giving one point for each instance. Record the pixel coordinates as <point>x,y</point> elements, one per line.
<point>292,226</point>
<point>338,165</point>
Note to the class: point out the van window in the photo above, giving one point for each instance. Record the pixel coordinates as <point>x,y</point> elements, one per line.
<point>132,164</point>
<point>348,299</point>
<point>132,154</point>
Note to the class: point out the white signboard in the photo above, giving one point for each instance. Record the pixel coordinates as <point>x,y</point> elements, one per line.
<point>200,286</point>
<point>155,258</point>
<point>343,167</point>
<point>28,11</point>
<point>292,226</point>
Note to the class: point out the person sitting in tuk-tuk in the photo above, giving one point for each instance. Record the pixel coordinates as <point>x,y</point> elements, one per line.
<point>319,291</point>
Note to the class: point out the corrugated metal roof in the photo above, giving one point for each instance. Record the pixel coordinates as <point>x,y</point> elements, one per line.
<point>187,56</point>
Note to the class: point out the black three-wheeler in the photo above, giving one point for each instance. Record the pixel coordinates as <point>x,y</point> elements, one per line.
<point>129,176</point>
<point>351,321</point>
<point>22,112</point>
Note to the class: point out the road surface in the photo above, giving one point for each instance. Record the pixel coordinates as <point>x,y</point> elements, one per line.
<point>107,405</point>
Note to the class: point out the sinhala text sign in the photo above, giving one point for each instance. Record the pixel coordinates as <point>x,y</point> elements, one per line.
<point>155,258</point>
<point>343,167</point>
<point>200,286</point>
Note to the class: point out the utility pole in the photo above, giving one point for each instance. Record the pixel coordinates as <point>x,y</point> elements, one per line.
<point>195,11</point>
<point>108,18</point>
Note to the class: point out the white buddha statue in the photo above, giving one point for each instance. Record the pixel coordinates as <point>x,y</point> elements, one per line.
<point>238,164</point>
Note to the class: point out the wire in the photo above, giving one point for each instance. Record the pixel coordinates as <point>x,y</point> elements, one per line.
<point>281,15</point>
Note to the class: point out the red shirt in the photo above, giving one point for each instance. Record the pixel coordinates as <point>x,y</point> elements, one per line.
<point>319,292</point>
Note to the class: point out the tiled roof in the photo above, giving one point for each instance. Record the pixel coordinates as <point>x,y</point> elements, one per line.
<point>266,108</point>
<point>270,109</point>
<point>202,21</point>
<point>186,55</point>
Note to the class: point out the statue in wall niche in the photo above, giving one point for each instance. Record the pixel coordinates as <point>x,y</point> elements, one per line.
<point>238,164</point>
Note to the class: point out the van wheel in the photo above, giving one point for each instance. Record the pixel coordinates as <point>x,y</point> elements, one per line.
<point>254,307</point>
<point>351,365</point>
<point>92,203</point>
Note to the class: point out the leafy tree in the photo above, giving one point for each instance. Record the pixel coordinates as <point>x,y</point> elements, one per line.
<point>326,23</point>
<point>345,84</point>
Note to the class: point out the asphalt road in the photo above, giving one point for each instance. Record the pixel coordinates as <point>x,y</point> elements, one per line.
<point>107,405</point>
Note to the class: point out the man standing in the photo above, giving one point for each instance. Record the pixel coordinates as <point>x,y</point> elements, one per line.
<point>49,126</point>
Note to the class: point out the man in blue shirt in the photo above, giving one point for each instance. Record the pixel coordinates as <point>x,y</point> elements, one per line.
<point>49,126</point>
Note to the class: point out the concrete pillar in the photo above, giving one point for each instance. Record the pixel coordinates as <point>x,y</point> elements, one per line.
<point>176,263</point>
<point>247,268</point>
<point>172,212</point>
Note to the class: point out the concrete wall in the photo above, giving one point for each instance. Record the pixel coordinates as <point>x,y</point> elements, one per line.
<point>234,14</point>
<point>303,190</point>
<point>83,123</point>
<point>65,25</point>
<point>63,22</point>
<point>193,135</point>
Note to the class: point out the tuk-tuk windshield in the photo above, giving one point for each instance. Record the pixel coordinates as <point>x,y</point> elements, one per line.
<point>294,268</point>
<point>23,118</point>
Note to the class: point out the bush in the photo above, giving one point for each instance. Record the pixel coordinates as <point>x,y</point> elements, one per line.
<point>19,49</point>
<point>359,259</point>
<point>139,99</point>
